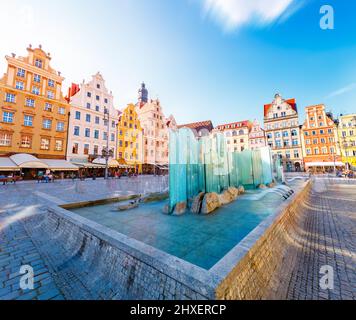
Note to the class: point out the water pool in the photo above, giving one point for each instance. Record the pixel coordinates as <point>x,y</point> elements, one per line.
<point>198,239</point>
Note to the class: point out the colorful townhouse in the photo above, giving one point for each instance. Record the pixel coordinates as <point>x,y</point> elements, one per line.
<point>130,139</point>
<point>347,139</point>
<point>33,111</point>
<point>236,134</point>
<point>281,124</point>
<point>155,133</point>
<point>257,136</point>
<point>320,140</point>
<point>93,122</point>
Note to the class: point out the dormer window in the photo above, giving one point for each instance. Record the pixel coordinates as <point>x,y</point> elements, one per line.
<point>38,63</point>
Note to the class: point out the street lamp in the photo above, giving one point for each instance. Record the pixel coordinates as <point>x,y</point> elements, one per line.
<point>106,153</point>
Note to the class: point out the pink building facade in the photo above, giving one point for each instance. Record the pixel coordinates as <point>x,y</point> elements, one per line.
<point>257,136</point>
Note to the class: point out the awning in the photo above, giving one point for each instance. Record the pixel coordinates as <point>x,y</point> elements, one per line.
<point>88,165</point>
<point>6,164</point>
<point>325,164</point>
<point>28,161</point>
<point>60,165</point>
<point>112,162</point>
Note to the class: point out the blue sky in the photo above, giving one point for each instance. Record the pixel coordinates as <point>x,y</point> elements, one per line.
<point>205,59</point>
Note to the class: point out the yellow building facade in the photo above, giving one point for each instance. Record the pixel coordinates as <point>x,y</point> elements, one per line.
<point>33,111</point>
<point>130,139</point>
<point>347,138</point>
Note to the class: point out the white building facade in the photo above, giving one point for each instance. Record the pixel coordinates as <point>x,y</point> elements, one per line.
<point>93,120</point>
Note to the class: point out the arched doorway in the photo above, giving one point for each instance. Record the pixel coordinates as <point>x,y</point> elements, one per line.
<point>297,167</point>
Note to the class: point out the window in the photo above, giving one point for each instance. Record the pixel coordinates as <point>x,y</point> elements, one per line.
<point>89,94</point>
<point>10,97</point>
<point>286,143</point>
<point>26,142</point>
<point>120,143</point>
<point>96,150</point>
<point>88,105</point>
<point>76,131</point>
<point>278,143</point>
<point>97,108</point>
<point>97,98</point>
<point>285,134</point>
<point>19,85</point>
<point>316,151</point>
<point>60,126</point>
<point>98,86</point>
<point>283,114</point>
<point>294,133</point>
<point>313,133</point>
<point>51,83</point>
<point>324,150</point>
<point>75,148</point>
<point>58,145</point>
<point>96,134</point>
<point>105,136</point>
<point>308,152</point>
<point>306,133</point>
<point>106,100</point>
<point>47,124</point>
<point>28,121</point>
<point>30,102</point>
<point>61,110</point>
<point>35,90</point>
<point>21,73</point>
<point>296,154</point>
<point>269,135</point>
<point>87,118</point>
<point>322,140</point>
<point>87,132</point>
<point>50,94</point>
<point>277,134</point>
<point>44,144</point>
<point>97,120</point>
<point>330,131</point>
<point>332,150</point>
<point>38,63</point>
<point>8,117</point>
<point>37,78</point>
<point>321,131</point>
<point>48,107</point>
<point>113,124</point>
<point>86,149</point>
<point>113,137</point>
<point>5,139</point>
<point>77,115</point>
<point>295,142</point>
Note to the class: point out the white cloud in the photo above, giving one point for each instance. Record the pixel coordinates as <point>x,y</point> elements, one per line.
<point>339,92</point>
<point>235,13</point>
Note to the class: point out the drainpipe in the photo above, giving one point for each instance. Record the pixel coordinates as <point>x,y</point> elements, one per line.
<point>67,138</point>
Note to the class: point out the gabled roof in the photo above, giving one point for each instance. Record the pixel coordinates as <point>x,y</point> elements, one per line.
<point>291,102</point>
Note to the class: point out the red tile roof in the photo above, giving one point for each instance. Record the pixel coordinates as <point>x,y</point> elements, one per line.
<point>235,125</point>
<point>291,102</point>
<point>198,125</point>
<point>72,91</point>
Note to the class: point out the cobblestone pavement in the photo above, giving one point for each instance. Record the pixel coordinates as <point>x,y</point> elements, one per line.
<point>326,238</point>
<point>29,198</point>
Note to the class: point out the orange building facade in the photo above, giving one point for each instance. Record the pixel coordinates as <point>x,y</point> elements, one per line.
<point>33,111</point>
<point>319,139</point>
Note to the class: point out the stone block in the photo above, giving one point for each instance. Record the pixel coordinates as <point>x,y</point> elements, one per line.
<point>197,203</point>
<point>211,202</point>
<point>180,208</point>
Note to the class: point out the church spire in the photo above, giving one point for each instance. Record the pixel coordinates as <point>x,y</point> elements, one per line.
<point>143,94</point>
